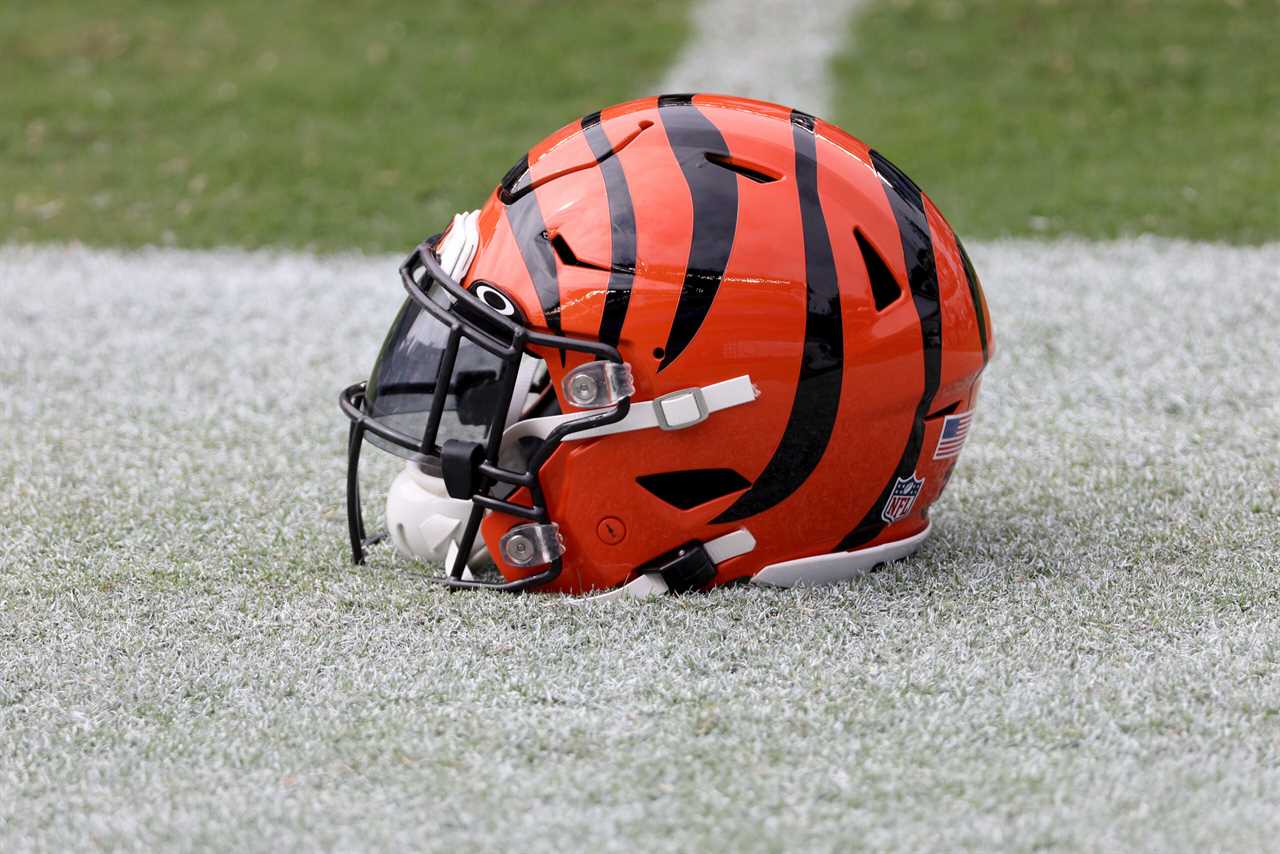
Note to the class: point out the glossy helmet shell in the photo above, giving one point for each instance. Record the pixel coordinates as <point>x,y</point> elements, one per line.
<point>709,237</point>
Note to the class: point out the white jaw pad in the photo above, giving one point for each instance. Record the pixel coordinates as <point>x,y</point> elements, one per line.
<point>838,566</point>
<point>649,584</point>
<point>423,521</point>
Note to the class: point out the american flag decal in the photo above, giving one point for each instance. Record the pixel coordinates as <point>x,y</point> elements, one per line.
<point>954,430</point>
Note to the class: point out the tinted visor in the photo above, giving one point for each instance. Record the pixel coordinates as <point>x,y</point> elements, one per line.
<point>405,382</point>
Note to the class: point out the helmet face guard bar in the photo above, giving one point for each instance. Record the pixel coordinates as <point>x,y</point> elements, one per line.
<point>469,319</point>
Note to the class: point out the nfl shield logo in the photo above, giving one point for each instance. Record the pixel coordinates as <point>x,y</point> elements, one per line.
<point>902,498</point>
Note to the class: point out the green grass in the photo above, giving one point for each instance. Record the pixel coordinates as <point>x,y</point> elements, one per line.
<point>293,123</point>
<point>1091,117</point>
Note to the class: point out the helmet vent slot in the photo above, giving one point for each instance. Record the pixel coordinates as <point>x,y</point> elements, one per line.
<point>570,258</point>
<point>519,180</point>
<point>884,287</point>
<point>565,252</point>
<point>753,171</point>
<point>689,488</point>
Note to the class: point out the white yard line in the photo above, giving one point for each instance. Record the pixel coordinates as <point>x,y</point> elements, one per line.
<point>775,50</point>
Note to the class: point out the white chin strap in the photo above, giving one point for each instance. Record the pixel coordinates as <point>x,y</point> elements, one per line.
<point>674,411</point>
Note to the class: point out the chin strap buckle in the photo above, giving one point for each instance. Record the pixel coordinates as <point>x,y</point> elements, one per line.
<point>681,409</point>
<point>687,568</point>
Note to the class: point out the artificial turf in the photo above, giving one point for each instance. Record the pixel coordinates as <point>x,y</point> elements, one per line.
<point>1084,656</point>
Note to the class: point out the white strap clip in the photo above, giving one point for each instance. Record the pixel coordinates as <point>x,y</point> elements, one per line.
<point>681,409</point>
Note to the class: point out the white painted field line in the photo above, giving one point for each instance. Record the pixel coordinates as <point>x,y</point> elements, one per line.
<point>775,50</point>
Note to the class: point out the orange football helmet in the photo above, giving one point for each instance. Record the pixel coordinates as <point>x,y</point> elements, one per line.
<point>687,341</point>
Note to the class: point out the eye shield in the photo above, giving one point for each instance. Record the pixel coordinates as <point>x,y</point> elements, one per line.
<point>407,377</point>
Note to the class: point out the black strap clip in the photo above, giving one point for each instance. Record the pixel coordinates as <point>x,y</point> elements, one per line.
<point>686,568</point>
<point>460,466</point>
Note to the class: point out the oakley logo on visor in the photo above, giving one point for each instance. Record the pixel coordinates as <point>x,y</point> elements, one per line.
<point>497,300</point>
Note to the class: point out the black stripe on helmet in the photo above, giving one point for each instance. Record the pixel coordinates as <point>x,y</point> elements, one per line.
<point>922,276</point>
<point>622,229</point>
<point>817,394</point>
<point>715,215</point>
<point>539,256</point>
<point>975,294</point>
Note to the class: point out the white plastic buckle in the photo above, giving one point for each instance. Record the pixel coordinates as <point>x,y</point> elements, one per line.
<point>681,409</point>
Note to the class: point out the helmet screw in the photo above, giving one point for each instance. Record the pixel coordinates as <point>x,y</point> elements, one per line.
<point>583,389</point>
<point>519,549</point>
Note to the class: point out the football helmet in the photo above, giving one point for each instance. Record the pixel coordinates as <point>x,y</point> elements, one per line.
<point>687,341</point>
